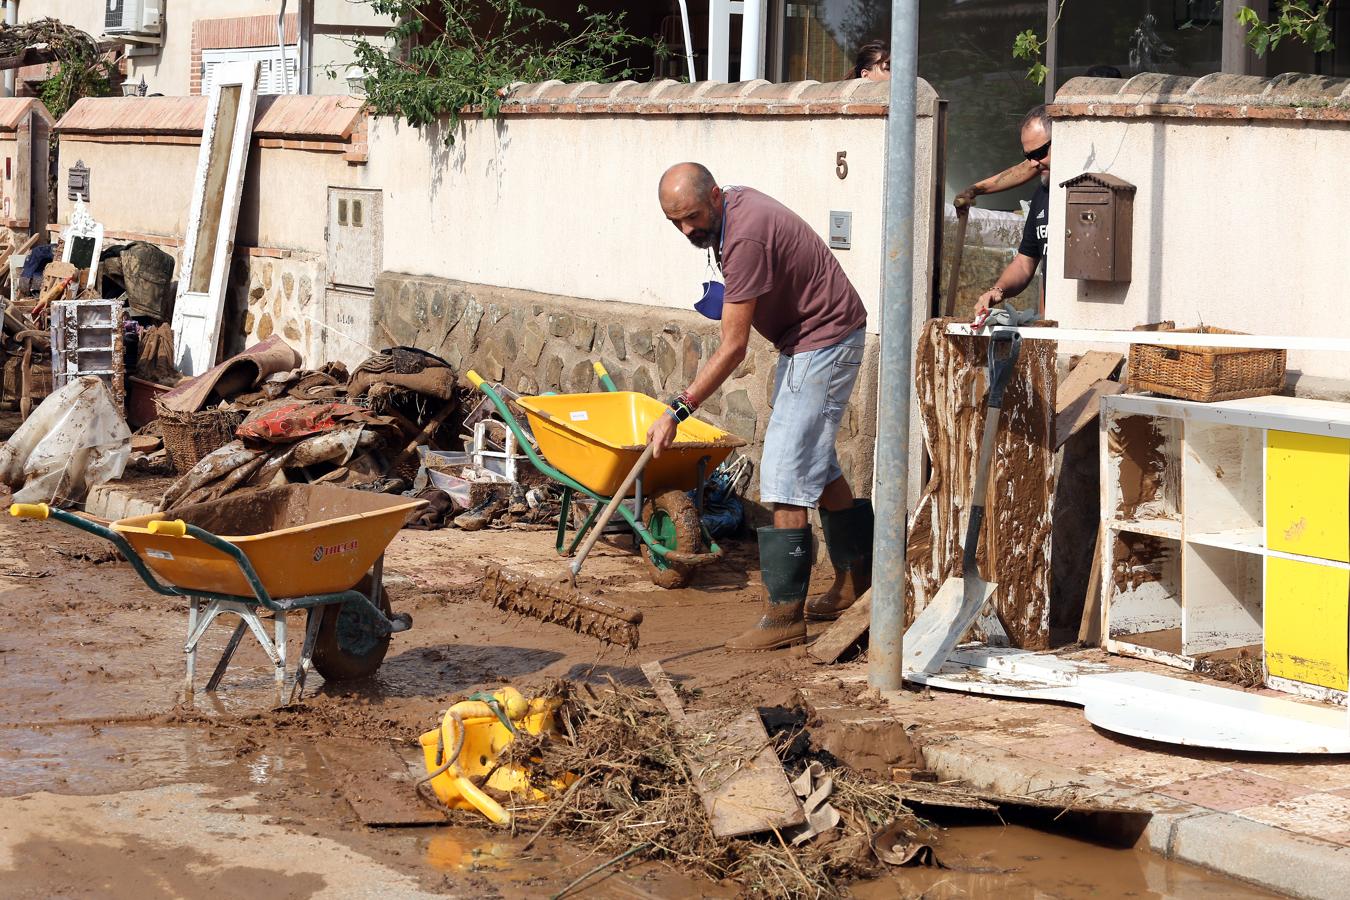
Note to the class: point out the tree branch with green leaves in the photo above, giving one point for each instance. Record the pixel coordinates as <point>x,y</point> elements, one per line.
<point>444,58</point>
<point>1305,21</point>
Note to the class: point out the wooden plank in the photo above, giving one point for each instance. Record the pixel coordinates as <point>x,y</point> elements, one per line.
<point>735,771</point>
<point>665,689</point>
<point>742,782</point>
<point>1084,411</point>
<point>1164,338</point>
<point>1094,366</point>
<point>1015,547</point>
<point>1078,398</point>
<point>1090,629</point>
<point>851,625</point>
<point>375,780</point>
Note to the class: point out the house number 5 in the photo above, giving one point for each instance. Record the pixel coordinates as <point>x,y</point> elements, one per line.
<point>841,164</point>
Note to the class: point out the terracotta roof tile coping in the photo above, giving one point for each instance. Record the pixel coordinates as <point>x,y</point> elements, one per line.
<point>666,97</point>
<point>13,111</point>
<point>1218,96</point>
<point>330,118</point>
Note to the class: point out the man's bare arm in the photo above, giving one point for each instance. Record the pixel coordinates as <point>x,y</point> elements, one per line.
<point>1012,282</point>
<point>730,353</point>
<point>736,322</point>
<point>1009,178</point>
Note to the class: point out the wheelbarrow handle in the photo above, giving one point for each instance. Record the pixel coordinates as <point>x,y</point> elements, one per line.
<point>43,511</point>
<point>168,528</point>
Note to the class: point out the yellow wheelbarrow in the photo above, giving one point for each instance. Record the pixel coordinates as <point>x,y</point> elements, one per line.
<point>308,547</point>
<point>589,442</point>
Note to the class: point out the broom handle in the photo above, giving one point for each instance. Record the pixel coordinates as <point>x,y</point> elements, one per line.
<point>613,504</point>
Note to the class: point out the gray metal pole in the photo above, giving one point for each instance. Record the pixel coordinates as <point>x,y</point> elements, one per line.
<point>897,306</point>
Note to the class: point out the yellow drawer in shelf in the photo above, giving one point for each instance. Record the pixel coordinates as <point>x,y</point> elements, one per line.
<point>1308,495</point>
<point>1305,610</point>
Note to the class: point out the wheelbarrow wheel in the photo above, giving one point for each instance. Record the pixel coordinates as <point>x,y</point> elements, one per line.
<point>348,645</point>
<point>672,521</point>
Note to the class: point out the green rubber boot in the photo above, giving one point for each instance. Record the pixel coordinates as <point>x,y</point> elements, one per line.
<point>785,566</point>
<point>848,536</point>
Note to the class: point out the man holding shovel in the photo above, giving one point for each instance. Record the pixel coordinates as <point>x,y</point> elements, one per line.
<point>783,281</point>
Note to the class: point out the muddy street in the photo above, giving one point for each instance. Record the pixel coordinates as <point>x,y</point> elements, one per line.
<point>111,789</point>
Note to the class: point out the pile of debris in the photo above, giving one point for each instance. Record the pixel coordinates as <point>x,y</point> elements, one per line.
<point>636,794</point>
<point>261,419</point>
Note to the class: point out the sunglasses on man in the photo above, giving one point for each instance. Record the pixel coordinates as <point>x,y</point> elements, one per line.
<point>1039,153</point>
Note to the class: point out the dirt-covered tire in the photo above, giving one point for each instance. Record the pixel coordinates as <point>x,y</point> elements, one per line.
<point>348,645</point>
<point>672,520</point>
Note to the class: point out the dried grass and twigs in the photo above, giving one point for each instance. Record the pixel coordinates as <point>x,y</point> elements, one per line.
<point>635,790</point>
<point>84,70</point>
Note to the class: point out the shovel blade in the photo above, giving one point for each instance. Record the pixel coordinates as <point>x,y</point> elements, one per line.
<point>939,627</point>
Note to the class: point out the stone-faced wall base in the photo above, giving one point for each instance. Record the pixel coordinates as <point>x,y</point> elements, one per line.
<point>542,342</point>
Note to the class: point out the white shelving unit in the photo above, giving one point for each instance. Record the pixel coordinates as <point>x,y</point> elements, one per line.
<point>1187,569</point>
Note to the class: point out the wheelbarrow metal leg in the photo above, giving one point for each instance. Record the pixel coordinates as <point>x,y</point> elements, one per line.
<point>190,649</point>
<point>585,528</point>
<point>315,618</point>
<point>279,670</point>
<point>226,656</point>
<point>564,515</point>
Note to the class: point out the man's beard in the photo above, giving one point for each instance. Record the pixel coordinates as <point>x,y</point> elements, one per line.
<point>1045,178</point>
<point>701,239</point>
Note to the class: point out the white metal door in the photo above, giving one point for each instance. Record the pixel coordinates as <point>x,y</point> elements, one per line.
<point>209,242</point>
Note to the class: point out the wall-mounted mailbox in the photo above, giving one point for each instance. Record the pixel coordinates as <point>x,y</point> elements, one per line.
<point>1098,227</point>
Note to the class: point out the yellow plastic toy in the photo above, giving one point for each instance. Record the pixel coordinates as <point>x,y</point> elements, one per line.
<point>475,727</point>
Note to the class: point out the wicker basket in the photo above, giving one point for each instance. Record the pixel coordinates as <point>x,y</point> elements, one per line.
<point>1206,374</point>
<point>190,436</point>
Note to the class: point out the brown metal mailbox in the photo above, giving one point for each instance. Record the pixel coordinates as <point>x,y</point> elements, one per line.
<point>1098,227</point>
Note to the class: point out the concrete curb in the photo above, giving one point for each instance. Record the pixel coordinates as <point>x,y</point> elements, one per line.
<point>1240,848</point>
<point>109,501</point>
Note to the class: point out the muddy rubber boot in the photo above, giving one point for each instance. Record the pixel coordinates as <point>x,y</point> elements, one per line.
<point>785,566</point>
<point>848,536</point>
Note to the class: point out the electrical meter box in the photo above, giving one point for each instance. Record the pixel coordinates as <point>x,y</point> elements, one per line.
<point>1098,227</point>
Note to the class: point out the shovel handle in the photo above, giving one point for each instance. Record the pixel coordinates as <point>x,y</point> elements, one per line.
<point>610,507</point>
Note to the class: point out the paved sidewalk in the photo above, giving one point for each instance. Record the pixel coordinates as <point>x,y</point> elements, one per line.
<point>1280,822</point>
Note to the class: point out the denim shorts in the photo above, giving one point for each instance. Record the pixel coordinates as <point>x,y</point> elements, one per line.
<point>810,394</point>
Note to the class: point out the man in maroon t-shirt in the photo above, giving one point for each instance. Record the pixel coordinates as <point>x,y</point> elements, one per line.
<point>782,280</point>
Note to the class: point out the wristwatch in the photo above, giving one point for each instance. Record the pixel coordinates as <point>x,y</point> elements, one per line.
<point>681,407</point>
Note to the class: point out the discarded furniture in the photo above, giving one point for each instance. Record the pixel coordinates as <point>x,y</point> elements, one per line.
<point>87,339</point>
<point>82,240</point>
<point>209,241</point>
<point>951,374</point>
<point>1148,705</point>
<point>301,547</point>
<point>1226,528</point>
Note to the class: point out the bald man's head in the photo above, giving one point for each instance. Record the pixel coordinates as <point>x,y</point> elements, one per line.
<point>692,202</point>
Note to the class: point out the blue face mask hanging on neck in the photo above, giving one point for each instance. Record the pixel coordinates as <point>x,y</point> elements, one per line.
<point>710,304</point>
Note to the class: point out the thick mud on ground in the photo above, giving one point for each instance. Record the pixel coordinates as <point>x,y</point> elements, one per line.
<point>109,789</point>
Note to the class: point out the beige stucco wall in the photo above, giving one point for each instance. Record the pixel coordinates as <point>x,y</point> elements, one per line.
<point>147,188</point>
<point>86,15</point>
<point>1239,224</point>
<point>567,204</point>
<point>168,72</point>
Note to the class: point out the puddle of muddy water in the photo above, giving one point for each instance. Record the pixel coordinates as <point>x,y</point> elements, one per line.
<point>1014,862</point>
